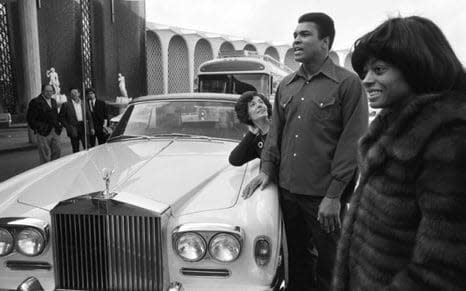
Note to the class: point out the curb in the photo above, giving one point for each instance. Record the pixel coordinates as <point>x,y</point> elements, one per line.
<point>18,149</point>
<point>14,126</point>
<point>11,146</point>
<point>27,147</point>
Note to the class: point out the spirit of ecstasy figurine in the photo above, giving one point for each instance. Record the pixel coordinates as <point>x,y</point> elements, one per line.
<point>106,175</point>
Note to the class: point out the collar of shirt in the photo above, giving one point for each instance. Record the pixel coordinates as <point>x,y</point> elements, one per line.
<point>76,103</point>
<point>327,69</point>
<point>78,110</point>
<point>49,101</point>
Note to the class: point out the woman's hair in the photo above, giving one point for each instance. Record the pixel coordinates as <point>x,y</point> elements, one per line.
<point>241,106</point>
<point>418,48</point>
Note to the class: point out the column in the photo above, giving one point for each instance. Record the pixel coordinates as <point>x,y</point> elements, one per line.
<point>27,10</point>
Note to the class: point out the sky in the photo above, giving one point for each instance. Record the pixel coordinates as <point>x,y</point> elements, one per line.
<point>275,20</point>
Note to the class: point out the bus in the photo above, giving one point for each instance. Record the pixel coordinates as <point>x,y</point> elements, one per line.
<point>236,72</point>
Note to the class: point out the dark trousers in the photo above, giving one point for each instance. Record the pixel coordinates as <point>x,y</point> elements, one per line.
<point>100,136</point>
<point>79,137</point>
<point>311,251</point>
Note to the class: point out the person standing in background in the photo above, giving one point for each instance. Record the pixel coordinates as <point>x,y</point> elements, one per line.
<point>42,117</point>
<point>72,118</point>
<point>98,110</point>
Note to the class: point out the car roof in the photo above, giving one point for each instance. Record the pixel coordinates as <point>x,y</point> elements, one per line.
<point>197,95</point>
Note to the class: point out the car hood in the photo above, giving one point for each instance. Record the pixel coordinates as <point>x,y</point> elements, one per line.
<point>186,175</point>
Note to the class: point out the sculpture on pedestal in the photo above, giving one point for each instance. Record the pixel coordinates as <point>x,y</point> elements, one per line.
<point>55,83</point>
<point>122,85</point>
<point>54,80</point>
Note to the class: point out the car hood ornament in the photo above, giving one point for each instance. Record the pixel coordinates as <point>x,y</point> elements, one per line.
<point>106,175</point>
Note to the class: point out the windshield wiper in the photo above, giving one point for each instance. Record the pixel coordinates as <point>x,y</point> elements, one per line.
<point>173,134</point>
<point>127,137</point>
<point>158,135</point>
<point>187,135</point>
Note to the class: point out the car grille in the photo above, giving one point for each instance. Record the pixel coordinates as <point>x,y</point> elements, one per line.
<point>107,252</point>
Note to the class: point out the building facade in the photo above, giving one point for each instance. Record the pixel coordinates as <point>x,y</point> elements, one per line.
<point>174,54</point>
<point>87,42</point>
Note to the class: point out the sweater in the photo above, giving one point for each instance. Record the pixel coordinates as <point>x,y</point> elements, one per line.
<point>248,149</point>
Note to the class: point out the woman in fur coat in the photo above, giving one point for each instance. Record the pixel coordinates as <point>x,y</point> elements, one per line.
<point>406,226</point>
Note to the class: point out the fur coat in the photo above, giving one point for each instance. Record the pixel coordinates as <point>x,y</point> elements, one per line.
<point>406,226</point>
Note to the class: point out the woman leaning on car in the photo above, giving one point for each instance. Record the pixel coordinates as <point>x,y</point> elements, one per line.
<point>254,110</point>
<point>406,225</point>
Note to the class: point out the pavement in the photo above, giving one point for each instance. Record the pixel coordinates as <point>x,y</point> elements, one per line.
<point>15,138</point>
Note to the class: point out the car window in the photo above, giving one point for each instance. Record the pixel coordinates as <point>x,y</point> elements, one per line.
<point>216,119</point>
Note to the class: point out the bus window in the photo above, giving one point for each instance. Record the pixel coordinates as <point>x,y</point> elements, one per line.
<point>213,83</point>
<point>250,82</point>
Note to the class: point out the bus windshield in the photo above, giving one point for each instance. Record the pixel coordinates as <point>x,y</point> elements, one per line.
<point>234,83</point>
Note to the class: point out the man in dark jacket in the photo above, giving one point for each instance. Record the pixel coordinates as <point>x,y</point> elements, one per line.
<point>72,117</point>
<point>99,115</point>
<point>42,118</point>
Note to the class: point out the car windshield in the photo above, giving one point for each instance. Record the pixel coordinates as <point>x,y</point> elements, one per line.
<point>180,119</point>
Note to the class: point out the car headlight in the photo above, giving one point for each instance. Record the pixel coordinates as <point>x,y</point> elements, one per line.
<point>30,242</point>
<point>6,242</point>
<point>191,247</point>
<point>224,247</point>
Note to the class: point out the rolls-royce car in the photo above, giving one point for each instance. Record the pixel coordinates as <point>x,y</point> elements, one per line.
<point>158,207</point>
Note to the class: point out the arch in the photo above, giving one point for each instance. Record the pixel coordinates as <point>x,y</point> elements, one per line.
<point>347,63</point>
<point>154,63</point>
<point>272,51</point>
<point>202,52</point>
<point>250,47</point>
<point>289,60</point>
<point>226,46</point>
<point>178,69</point>
<point>334,57</point>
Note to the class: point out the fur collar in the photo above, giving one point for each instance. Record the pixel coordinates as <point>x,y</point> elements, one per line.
<point>403,133</point>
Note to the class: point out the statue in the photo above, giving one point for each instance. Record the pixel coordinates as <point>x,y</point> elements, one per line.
<point>122,85</point>
<point>55,83</point>
<point>54,80</point>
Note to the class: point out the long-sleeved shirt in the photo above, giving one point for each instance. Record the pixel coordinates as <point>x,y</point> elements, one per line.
<point>78,109</point>
<point>248,149</point>
<point>316,123</point>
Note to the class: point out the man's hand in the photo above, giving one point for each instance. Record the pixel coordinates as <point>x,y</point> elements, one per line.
<point>261,180</point>
<point>329,214</point>
<point>92,132</point>
<point>73,132</point>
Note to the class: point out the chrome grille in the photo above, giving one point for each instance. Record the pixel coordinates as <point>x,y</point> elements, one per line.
<point>107,252</point>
